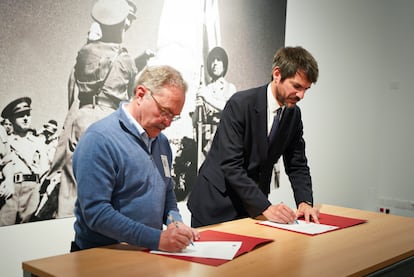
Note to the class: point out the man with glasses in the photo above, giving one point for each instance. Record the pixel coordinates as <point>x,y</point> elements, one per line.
<point>122,167</point>
<point>29,163</point>
<point>164,112</point>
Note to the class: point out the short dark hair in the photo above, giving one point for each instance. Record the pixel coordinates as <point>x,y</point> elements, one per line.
<point>290,60</point>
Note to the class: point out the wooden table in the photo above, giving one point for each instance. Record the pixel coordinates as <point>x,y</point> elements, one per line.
<point>356,251</point>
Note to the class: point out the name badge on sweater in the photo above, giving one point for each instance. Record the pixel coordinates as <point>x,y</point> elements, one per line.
<point>166,166</point>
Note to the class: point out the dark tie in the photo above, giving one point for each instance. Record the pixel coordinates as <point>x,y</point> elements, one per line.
<point>275,125</point>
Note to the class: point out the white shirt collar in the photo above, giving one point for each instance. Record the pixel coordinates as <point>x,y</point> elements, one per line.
<point>131,119</point>
<point>272,106</point>
<point>138,126</point>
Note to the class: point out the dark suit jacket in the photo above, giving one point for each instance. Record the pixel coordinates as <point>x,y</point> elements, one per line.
<point>234,180</point>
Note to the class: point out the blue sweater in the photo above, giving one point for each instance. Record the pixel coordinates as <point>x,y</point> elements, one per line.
<point>124,191</point>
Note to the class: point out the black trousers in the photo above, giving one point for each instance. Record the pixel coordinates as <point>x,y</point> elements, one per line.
<point>74,247</point>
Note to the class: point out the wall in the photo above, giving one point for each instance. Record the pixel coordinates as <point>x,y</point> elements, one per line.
<point>357,117</point>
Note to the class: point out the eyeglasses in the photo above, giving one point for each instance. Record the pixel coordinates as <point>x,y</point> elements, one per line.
<point>165,112</point>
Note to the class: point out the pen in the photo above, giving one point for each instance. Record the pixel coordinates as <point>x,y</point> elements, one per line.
<point>296,221</point>
<point>171,218</point>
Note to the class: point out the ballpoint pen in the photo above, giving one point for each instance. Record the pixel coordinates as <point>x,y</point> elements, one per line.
<point>171,218</point>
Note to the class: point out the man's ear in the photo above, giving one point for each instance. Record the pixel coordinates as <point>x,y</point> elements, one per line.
<point>277,74</point>
<point>140,91</point>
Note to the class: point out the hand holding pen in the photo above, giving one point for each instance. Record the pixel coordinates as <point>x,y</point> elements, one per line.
<point>177,236</point>
<point>173,221</point>
<point>280,213</point>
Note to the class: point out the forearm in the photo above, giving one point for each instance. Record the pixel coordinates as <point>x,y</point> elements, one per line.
<point>297,169</point>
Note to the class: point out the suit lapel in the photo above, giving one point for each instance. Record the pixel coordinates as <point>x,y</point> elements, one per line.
<point>261,121</point>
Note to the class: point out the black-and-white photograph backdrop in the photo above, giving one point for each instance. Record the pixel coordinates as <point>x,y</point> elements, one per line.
<point>65,64</point>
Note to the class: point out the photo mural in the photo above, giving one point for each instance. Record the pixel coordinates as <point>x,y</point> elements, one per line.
<point>65,64</point>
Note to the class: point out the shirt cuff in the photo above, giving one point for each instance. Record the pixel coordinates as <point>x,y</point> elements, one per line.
<point>175,215</point>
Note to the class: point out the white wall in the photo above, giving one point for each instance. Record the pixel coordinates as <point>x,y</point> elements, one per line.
<point>358,119</point>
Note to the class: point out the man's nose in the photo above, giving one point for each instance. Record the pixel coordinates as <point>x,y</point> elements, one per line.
<point>300,94</point>
<point>167,121</point>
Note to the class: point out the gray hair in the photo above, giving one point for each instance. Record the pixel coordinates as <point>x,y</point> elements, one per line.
<point>157,77</point>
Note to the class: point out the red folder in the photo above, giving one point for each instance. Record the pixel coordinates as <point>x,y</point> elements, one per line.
<point>339,221</point>
<point>248,244</point>
<point>334,220</point>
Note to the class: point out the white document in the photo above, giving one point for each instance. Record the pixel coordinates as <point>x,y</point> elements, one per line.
<point>224,250</point>
<point>302,227</point>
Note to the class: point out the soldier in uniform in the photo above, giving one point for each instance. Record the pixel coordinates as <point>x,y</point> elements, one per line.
<point>212,98</point>
<point>6,188</point>
<point>104,75</point>
<point>50,136</point>
<point>29,163</point>
<point>7,126</point>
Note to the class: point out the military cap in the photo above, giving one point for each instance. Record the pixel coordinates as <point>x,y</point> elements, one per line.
<point>18,105</point>
<point>110,12</point>
<point>220,54</point>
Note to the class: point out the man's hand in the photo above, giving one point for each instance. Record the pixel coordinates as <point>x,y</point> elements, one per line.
<point>308,212</point>
<point>280,213</point>
<point>175,239</point>
<point>199,101</point>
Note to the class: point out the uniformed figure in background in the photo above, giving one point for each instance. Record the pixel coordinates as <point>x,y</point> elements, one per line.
<point>185,167</point>
<point>6,187</point>
<point>50,135</point>
<point>104,75</point>
<point>29,164</point>
<point>211,99</point>
<point>8,126</point>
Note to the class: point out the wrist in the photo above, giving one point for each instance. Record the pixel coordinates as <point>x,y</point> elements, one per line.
<point>306,204</point>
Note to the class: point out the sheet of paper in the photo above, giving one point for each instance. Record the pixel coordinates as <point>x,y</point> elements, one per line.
<point>225,250</point>
<point>302,227</point>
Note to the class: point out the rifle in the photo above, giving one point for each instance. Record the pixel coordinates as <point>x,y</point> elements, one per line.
<point>200,122</point>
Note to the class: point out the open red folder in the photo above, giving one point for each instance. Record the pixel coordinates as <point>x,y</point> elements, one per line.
<point>248,244</point>
<point>340,222</point>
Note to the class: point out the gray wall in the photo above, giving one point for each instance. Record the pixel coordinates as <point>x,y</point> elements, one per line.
<point>357,117</point>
